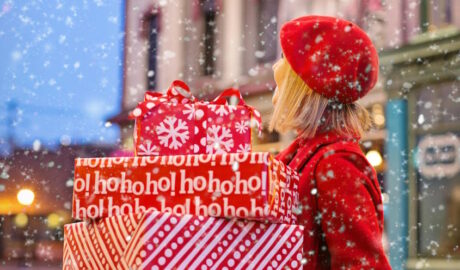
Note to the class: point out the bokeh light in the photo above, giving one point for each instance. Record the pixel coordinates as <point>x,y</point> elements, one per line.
<point>374,158</point>
<point>26,196</point>
<point>53,220</point>
<point>21,220</point>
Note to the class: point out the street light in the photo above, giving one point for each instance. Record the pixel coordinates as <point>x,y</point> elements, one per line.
<point>26,196</point>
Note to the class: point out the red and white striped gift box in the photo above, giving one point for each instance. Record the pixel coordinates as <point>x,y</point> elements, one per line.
<point>167,241</point>
<point>99,244</point>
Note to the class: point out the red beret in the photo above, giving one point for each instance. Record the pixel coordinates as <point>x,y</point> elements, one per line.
<point>334,57</point>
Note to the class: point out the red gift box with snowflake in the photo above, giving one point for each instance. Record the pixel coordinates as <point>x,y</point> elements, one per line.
<point>155,240</point>
<point>176,123</point>
<point>245,185</point>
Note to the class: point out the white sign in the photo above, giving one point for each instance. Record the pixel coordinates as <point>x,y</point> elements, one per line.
<point>439,156</point>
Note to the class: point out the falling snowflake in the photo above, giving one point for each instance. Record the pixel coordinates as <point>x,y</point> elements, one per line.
<point>189,111</point>
<point>242,126</point>
<point>172,132</point>
<point>219,140</point>
<point>222,110</point>
<point>244,148</point>
<point>147,149</point>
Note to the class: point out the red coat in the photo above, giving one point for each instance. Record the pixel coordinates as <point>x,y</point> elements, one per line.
<point>342,209</point>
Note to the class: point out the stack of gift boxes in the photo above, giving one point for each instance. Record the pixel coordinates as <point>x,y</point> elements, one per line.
<point>193,197</point>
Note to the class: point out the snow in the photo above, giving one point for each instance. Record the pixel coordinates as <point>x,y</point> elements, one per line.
<point>57,60</point>
<point>62,66</point>
<point>36,145</point>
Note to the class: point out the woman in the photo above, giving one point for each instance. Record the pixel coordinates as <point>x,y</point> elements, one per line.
<point>328,64</point>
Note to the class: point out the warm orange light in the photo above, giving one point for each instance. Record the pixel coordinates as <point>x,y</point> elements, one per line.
<point>53,220</point>
<point>21,220</point>
<point>26,196</point>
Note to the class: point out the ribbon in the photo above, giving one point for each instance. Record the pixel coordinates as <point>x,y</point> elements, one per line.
<point>236,93</point>
<point>179,93</point>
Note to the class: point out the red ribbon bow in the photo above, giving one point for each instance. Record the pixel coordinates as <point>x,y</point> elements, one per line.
<point>179,92</point>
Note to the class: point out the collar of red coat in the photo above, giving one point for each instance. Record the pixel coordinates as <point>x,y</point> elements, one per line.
<point>302,149</point>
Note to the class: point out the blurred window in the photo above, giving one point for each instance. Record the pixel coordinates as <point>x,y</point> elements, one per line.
<point>438,105</point>
<point>440,13</point>
<point>436,14</point>
<point>438,189</point>
<point>209,10</point>
<point>437,170</point>
<point>267,26</point>
<point>152,51</point>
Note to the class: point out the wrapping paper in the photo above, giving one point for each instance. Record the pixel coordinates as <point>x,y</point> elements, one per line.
<point>176,123</point>
<point>246,185</point>
<point>166,241</point>
<point>99,244</point>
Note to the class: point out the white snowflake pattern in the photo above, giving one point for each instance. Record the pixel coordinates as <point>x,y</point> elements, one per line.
<point>147,149</point>
<point>219,140</point>
<point>242,127</point>
<point>244,148</point>
<point>222,110</point>
<point>189,111</point>
<point>172,132</point>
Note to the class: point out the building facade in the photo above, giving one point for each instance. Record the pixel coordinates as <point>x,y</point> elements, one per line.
<point>423,150</point>
<point>216,44</point>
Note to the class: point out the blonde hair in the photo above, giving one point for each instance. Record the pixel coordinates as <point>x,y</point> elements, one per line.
<point>299,108</point>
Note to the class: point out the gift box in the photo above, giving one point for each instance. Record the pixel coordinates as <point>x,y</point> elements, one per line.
<point>167,241</point>
<point>99,244</point>
<point>245,185</point>
<point>176,123</point>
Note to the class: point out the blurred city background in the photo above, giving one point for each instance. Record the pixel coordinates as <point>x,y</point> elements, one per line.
<point>72,71</point>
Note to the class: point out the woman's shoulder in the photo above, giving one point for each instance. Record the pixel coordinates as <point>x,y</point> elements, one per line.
<point>302,152</point>
<point>345,154</point>
<point>349,169</point>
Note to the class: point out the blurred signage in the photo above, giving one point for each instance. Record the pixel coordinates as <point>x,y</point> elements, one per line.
<point>439,155</point>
